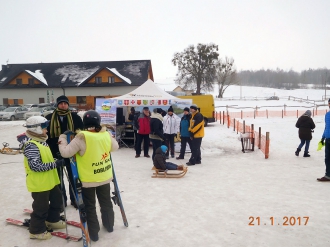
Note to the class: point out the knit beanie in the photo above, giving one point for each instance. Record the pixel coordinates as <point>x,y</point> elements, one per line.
<point>163,148</point>
<point>62,98</point>
<point>194,106</point>
<point>170,109</point>
<point>159,110</point>
<point>133,109</point>
<point>186,109</point>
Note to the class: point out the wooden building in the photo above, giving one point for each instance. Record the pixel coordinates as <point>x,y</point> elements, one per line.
<point>81,82</point>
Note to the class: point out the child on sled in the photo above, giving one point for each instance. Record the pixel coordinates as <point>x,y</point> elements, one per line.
<point>160,160</point>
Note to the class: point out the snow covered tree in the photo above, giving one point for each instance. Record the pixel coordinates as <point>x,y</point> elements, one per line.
<point>225,75</point>
<point>196,67</point>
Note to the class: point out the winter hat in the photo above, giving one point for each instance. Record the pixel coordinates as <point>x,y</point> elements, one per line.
<point>35,124</point>
<point>62,98</point>
<point>159,110</point>
<point>170,109</point>
<point>133,109</point>
<point>146,108</point>
<point>163,148</point>
<point>186,109</point>
<point>308,113</point>
<point>194,106</point>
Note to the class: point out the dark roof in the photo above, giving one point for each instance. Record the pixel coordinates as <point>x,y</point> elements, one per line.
<point>72,73</point>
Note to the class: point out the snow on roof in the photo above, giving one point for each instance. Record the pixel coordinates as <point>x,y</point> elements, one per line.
<point>3,79</point>
<point>114,71</point>
<point>75,73</point>
<point>135,68</point>
<point>38,75</point>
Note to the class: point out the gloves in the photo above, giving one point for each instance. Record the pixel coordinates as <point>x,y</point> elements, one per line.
<point>68,132</point>
<point>60,163</point>
<point>191,135</point>
<point>322,141</point>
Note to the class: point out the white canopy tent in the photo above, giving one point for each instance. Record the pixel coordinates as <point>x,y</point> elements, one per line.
<point>148,94</point>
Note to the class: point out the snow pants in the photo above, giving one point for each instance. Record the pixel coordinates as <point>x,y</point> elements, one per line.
<point>46,207</point>
<point>195,150</point>
<point>107,215</point>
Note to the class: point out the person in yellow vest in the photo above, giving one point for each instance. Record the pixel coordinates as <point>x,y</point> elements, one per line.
<point>42,180</point>
<point>92,148</point>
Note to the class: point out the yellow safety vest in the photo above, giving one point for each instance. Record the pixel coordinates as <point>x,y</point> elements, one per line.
<point>95,165</point>
<point>41,181</point>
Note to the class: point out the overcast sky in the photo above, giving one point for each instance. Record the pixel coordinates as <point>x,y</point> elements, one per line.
<point>269,34</point>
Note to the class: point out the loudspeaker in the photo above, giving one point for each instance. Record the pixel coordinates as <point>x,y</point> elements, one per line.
<point>120,116</point>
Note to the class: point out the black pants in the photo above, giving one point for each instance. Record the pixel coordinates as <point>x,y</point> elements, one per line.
<point>146,142</point>
<point>107,214</point>
<point>169,140</point>
<point>60,173</point>
<point>195,150</point>
<point>184,141</point>
<point>46,206</point>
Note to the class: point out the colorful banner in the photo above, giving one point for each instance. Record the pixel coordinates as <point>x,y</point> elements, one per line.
<point>107,108</point>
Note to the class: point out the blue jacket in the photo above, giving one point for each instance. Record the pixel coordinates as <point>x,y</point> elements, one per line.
<point>184,125</point>
<point>326,132</point>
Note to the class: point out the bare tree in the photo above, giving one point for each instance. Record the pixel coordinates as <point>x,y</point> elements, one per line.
<point>196,67</point>
<point>225,75</point>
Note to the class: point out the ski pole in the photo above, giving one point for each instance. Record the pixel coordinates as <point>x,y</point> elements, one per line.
<point>61,178</point>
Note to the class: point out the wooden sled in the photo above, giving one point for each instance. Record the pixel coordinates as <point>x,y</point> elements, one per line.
<point>7,150</point>
<point>169,173</point>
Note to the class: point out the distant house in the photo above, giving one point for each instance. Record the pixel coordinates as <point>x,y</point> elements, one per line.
<point>81,82</point>
<point>180,89</point>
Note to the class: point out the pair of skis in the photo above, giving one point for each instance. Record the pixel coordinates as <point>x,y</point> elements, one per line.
<point>26,223</point>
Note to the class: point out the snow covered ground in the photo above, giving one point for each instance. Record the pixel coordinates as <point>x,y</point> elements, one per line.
<point>213,203</point>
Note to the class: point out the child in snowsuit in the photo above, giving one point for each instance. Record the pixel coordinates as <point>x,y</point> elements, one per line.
<point>160,160</point>
<point>42,180</point>
<point>92,148</point>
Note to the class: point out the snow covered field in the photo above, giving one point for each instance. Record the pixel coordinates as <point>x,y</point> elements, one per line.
<point>213,203</point>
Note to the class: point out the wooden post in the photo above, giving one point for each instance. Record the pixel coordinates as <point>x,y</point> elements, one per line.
<point>223,117</point>
<point>234,124</point>
<point>241,114</point>
<point>252,137</point>
<point>267,146</point>
<point>259,138</point>
<point>237,127</point>
<point>220,117</point>
<point>243,126</point>
<point>228,121</point>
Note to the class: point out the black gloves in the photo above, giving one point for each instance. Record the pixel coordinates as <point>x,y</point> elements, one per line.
<point>322,141</point>
<point>191,135</point>
<point>60,163</point>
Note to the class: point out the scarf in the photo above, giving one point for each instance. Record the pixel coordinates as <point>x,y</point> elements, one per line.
<point>36,137</point>
<point>55,126</point>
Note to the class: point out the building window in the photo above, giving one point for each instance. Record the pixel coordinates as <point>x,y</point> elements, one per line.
<point>81,99</point>
<point>98,80</point>
<point>111,79</point>
<point>19,82</point>
<point>31,81</point>
<point>15,101</point>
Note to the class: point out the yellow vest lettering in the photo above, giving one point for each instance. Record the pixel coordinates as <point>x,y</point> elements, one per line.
<point>95,165</point>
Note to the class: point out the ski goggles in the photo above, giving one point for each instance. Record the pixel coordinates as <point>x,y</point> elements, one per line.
<point>42,125</point>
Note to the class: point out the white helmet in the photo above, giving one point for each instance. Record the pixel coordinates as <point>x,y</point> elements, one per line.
<point>36,124</point>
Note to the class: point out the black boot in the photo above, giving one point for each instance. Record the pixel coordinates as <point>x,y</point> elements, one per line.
<point>306,154</point>
<point>297,151</point>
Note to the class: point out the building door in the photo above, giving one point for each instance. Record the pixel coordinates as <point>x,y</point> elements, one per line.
<point>5,101</point>
<point>41,100</point>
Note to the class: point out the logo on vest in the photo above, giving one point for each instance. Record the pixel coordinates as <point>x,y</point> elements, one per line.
<point>104,160</point>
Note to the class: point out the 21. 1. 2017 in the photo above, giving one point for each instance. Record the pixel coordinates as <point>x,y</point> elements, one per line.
<point>279,221</point>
